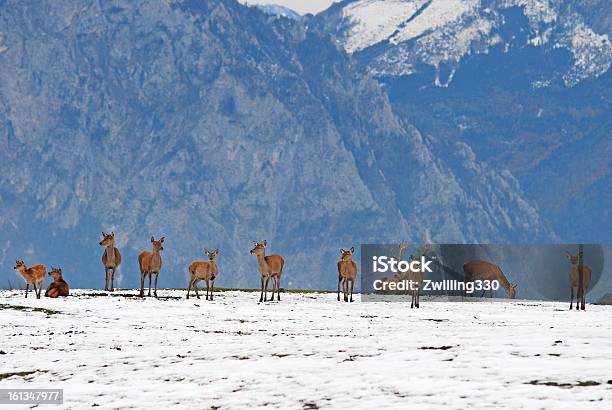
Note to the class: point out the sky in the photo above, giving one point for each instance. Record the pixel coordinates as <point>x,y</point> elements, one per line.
<point>301,6</point>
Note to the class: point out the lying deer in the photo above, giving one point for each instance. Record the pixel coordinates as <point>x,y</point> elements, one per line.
<point>111,259</point>
<point>574,279</point>
<point>347,272</point>
<point>150,264</point>
<point>59,287</point>
<point>34,276</point>
<point>481,270</point>
<point>269,267</point>
<point>206,271</point>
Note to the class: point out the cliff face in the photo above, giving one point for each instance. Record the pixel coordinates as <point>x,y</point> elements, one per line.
<point>214,124</point>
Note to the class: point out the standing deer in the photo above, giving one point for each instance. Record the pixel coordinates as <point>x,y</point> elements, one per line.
<point>347,272</point>
<point>269,267</point>
<point>481,270</point>
<point>59,287</point>
<point>416,279</point>
<point>151,263</point>
<point>574,279</point>
<point>206,271</point>
<point>111,259</point>
<point>34,275</point>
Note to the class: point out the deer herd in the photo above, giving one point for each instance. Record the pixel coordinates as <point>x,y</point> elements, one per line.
<point>270,268</point>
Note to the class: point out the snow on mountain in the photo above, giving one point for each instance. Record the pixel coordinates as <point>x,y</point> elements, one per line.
<point>279,11</point>
<point>397,35</point>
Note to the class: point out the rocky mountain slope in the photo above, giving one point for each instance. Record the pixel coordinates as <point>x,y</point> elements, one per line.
<point>525,83</point>
<point>214,124</point>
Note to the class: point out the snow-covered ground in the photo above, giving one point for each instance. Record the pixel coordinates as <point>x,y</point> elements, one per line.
<point>308,351</point>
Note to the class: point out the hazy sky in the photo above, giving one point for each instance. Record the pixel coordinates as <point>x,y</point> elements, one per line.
<point>301,6</point>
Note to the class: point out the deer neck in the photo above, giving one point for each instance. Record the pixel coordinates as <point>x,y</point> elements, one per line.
<point>504,282</point>
<point>110,253</point>
<point>261,261</point>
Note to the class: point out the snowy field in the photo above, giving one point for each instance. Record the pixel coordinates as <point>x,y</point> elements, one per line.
<point>308,351</point>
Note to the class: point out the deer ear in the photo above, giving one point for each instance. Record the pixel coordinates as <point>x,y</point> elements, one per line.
<point>152,239</point>
<point>265,243</point>
<point>205,250</point>
<point>162,239</point>
<point>113,234</point>
<point>103,234</point>
<point>216,251</point>
<point>352,249</point>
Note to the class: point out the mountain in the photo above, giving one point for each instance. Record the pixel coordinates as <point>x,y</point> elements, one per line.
<point>213,124</point>
<point>524,83</point>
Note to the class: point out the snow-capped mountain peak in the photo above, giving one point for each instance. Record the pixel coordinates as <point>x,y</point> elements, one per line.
<point>396,35</point>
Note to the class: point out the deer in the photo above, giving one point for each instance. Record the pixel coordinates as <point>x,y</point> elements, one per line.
<point>347,272</point>
<point>150,264</point>
<point>59,287</point>
<point>270,267</point>
<point>481,270</point>
<point>574,279</point>
<point>111,259</point>
<point>206,271</point>
<point>34,276</point>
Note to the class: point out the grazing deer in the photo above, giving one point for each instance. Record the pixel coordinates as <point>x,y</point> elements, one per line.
<point>347,272</point>
<point>574,279</point>
<point>269,267</point>
<point>150,263</point>
<point>34,275</point>
<point>111,259</point>
<point>59,287</point>
<point>206,271</point>
<point>481,270</point>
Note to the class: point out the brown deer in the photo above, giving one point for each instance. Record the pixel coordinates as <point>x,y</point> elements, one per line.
<point>574,279</point>
<point>111,259</point>
<point>206,271</point>
<point>269,267</point>
<point>150,264</point>
<point>34,276</point>
<point>481,270</point>
<point>59,287</point>
<point>347,272</point>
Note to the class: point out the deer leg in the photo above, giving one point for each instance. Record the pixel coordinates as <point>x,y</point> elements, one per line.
<point>278,287</point>
<point>418,296</point>
<point>273,287</point>
<point>189,287</point>
<point>35,291</point>
<point>27,288</point>
<point>105,278</point>
<point>262,292</point>
<point>207,287</point>
<point>345,287</point>
<point>40,286</point>
<point>339,281</point>
<point>195,287</point>
<point>212,288</point>
<point>150,274</point>
<point>352,284</point>
<point>266,288</point>
<point>142,276</point>
<point>583,301</point>
<point>571,297</point>
<point>156,276</point>
<point>112,280</point>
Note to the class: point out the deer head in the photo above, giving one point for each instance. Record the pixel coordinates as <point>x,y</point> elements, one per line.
<point>159,244</point>
<point>259,248</point>
<point>512,291</point>
<point>346,254</point>
<point>19,265</point>
<point>573,260</point>
<point>56,273</point>
<point>107,239</point>
<point>211,255</point>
